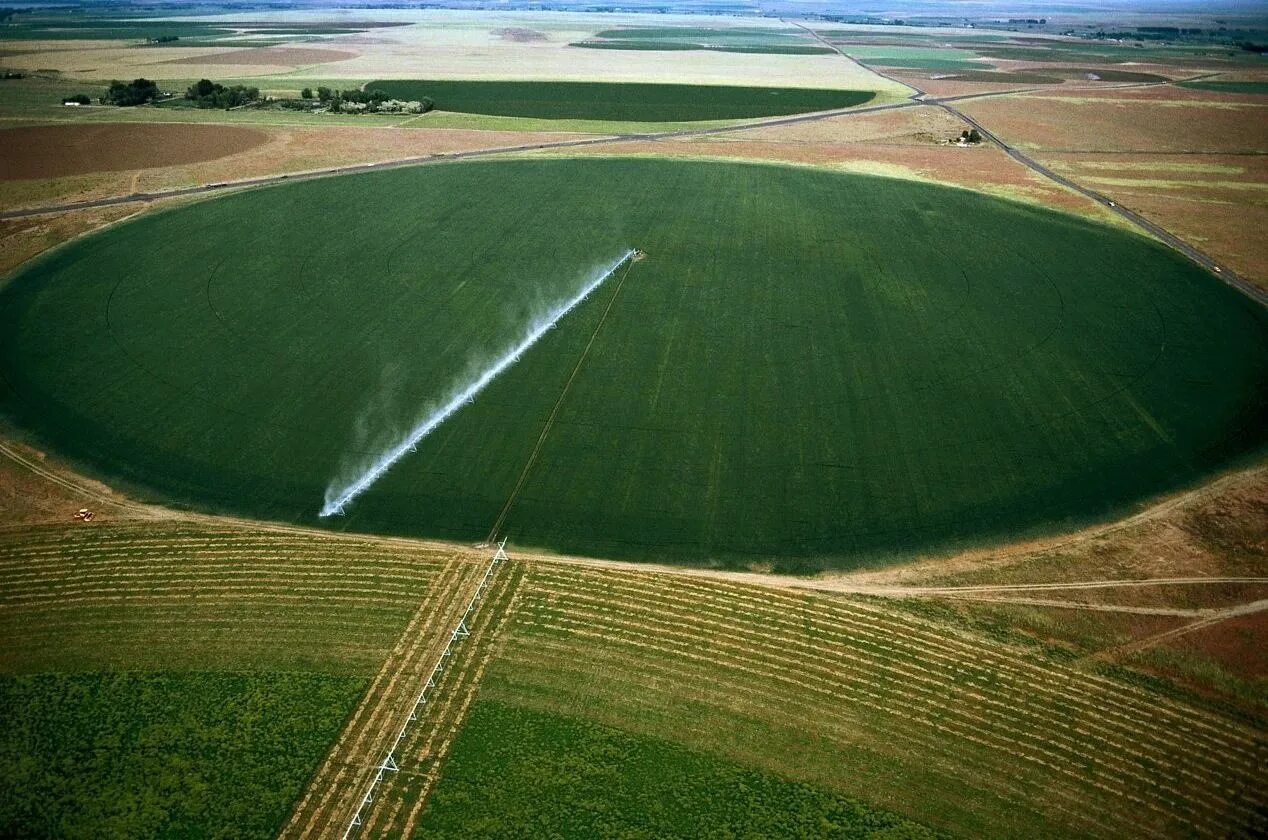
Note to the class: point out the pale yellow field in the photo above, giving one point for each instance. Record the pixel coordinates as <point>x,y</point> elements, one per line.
<point>447,44</point>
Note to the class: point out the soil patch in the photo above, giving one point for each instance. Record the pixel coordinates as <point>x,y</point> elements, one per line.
<point>269,57</point>
<point>1236,644</point>
<point>520,35</point>
<point>57,151</point>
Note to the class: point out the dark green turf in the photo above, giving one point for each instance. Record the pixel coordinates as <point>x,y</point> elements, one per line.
<point>620,101</point>
<point>1260,88</point>
<point>809,367</point>
<point>516,773</point>
<point>162,754</point>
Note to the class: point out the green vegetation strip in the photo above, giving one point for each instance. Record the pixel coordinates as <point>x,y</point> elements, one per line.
<point>169,754</point>
<point>741,39</point>
<point>1260,88</point>
<point>620,101</point>
<point>520,773</point>
<point>808,369</point>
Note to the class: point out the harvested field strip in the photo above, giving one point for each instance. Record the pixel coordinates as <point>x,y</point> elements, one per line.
<point>1058,720</point>
<point>900,692</point>
<point>161,594</point>
<point>338,785</point>
<point>402,796</point>
<point>956,645</point>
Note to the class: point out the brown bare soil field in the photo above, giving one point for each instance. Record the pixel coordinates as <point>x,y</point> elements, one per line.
<point>58,151</point>
<point>1162,94</point>
<point>1230,230</point>
<point>286,149</point>
<point>267,57</point>
<point>1089,121</point>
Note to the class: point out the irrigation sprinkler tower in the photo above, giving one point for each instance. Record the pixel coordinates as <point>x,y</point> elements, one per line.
<point>461,631</point>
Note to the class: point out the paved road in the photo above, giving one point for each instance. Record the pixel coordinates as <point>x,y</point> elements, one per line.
<point>920,97</point>
<point>442,157</point>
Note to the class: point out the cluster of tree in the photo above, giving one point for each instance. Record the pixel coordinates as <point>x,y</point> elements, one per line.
<point>12,74</point>
<point>371,101</point>
<point>208,94</point>
<point>163,39</point>
<point>136,92</point>
<point>971,136</point>
<point>1250,46</point>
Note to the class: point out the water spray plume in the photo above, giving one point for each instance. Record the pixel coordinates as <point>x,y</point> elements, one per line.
<point>337,498</point>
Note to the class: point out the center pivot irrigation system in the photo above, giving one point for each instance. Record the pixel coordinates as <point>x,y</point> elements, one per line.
<point>337,497</point>
<point>461,631</point>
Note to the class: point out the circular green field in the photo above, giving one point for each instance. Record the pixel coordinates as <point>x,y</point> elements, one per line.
<point>808,368</point>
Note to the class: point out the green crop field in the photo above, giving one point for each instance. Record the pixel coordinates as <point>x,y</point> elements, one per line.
<point>514,767</point>
<point>808,369</point>
<point>620,102</point>
<point>162,754</point>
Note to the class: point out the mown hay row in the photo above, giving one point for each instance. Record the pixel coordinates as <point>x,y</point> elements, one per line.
<point>966,666</point>
<point>778,609</point>
<point>900,693</point>
<point>1092,744</point>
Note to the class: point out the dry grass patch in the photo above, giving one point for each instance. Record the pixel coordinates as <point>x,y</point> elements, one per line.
<point>22,239</point>
<point>1217,202</point>
<point>1037,121</point>
<point>906,126</point>
<point>1236,645</point>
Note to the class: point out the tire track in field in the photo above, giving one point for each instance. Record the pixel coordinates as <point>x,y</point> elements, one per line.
<point>402,796</point>
<point>550,419</point>
<point>1214,617</point>
<point>333,791</point>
